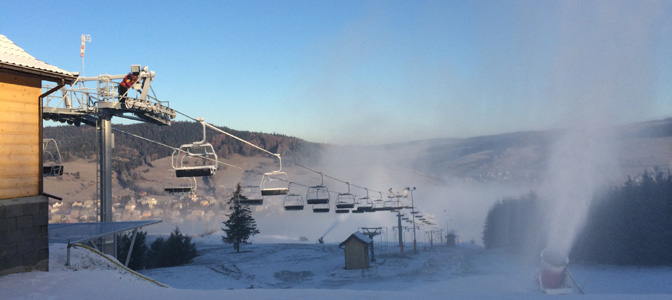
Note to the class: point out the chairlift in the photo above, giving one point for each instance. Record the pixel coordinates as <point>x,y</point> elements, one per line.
<point>293,201</point>
<point>364,204</point>
<point>250,195</point>
<point>275,183</point>
<point>378,203</point>
<point>196,159</point>
<point>321,208</point>
<point>389,205</point>
<point>342,210</point>
<point>318,194</point>
<point>179,186</point>
<point>52,165</point>
<point>345,200</point>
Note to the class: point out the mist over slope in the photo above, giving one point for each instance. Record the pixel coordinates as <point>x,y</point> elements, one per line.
<point>457,180</point>
<point>522,156</point>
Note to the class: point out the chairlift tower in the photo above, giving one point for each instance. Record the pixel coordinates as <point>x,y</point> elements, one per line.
<point>413,213</point>
<point>372,232</point>
<point>96,107</point>
<point>399,215</point>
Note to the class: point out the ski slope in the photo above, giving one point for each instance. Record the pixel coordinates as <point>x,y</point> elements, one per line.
<point>314,271</point>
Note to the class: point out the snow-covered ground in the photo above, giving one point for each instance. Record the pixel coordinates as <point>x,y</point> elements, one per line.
<point>313,271</point>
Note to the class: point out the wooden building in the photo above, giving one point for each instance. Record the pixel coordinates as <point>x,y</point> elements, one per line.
<point>356,251</point>
<point>23,207</point>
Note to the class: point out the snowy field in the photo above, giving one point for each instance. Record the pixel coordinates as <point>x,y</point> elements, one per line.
<point>313,271</point>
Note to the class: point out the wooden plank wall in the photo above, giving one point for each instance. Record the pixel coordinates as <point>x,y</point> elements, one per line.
<point>19,136</point>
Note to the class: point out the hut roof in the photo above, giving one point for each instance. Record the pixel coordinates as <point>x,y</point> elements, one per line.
<point>358,236</point>
<point>13,57</point>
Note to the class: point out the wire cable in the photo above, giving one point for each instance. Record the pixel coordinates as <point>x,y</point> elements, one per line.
<point>268,152</point>
<point>173,148</point>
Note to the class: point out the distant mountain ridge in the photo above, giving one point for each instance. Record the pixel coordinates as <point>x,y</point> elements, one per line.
<point>522,156</point>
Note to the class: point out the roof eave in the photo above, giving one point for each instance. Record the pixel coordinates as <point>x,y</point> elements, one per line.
<point>42,74</point>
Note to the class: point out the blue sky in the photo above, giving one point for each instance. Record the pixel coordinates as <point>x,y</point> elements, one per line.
<point>372,71</point>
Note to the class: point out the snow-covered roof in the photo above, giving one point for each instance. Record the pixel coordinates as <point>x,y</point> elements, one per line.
<point>15,58</point>
<point>357,235</point>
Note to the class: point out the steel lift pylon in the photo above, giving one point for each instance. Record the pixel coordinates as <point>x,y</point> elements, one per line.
<point>96,106</point>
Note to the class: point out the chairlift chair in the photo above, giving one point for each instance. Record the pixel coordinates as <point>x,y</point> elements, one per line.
<point>186,158</point>
<point>293,201</point>
<point>345,200</point>
<point>379,204</point>
<point>318,194</point>
<point>342,210</point>
<point>364,204</point>
<point>52,165</point>
<point>321,208</point>
<point>388,205</point>
<point>275,183</point>
<point>270,188</point>
<point>179,186</point>
<point>250,195</point>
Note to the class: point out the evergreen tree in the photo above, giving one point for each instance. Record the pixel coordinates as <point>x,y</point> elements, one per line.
<point>240,226</point>
<point>176,251</point>
<point>139,252</point>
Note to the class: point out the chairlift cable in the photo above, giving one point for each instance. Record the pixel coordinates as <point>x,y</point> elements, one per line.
<point>268,152</point>
<point>174,148</point>
<point>177,149</point>
<point>237,167</point>
<point>228,134</point>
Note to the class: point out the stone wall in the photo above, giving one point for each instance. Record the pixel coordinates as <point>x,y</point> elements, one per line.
<point>24,243</point>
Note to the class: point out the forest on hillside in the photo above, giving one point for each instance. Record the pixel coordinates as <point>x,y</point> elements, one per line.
<point>130,152</point>
<point>628,224</point>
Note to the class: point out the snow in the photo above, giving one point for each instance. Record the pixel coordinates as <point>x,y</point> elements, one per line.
<point>315,271</point>
<point>360,236</point>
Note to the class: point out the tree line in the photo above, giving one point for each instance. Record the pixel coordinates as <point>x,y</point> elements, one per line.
<point>176,250</point>
<point>629,224</point>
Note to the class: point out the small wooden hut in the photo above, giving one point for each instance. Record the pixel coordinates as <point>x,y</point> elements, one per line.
<point>356,251</point>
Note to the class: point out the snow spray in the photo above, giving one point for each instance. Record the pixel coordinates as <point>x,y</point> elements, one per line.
<point>594,88</point>
<point>333,225</point>
<point>580,164</point>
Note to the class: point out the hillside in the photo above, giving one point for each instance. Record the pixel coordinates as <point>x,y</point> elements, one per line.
<point>458,179</point>
<point>132,152</point>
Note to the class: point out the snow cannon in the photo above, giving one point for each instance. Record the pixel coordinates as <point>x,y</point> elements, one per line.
<point>552,270</point>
